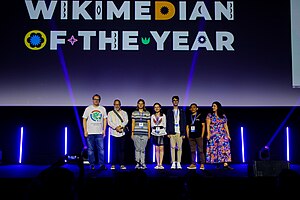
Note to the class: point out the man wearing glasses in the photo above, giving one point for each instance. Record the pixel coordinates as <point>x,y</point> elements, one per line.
<point>117,122</point>
<point>94,124</point>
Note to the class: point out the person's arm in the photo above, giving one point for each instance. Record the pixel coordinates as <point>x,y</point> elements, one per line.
<point>104,126</point>
<point>183,119</point>
<point>227,130</point>
<point>187,131</point>
<point>132,127</point>
<point>149,128</point>
<point>168,122</point>
<point>208,127</point>
<point>125,119</point>
<point>203,129</point>
<point>164,122</point>
<point>110,121</point>
<point>85,127</point>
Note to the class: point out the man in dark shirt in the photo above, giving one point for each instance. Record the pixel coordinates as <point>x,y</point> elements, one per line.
<point>195,132</point>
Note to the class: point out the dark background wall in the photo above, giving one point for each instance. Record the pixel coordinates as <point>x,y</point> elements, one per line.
<point>39,87</point>
<point>44,127</point>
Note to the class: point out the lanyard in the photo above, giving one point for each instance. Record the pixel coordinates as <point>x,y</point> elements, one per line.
<point>157,120</point>
<point>141,116</point>
<point>193,118</point>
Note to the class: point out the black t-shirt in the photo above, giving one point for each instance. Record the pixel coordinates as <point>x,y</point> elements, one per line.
<point>195,124</point>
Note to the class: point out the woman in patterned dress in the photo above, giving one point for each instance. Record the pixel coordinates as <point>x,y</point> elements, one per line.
<point>218,137</point>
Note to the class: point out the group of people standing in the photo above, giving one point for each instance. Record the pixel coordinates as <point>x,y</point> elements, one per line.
<point>176,125</point>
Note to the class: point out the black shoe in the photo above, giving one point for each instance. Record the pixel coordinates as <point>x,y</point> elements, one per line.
<point>103,167</point>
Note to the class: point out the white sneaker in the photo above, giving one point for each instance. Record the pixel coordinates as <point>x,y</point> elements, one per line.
<point>137,166</point>
<point>173,165</point>
<point>178,165</point>
<point>156,167</point>
<point>161,167</point>
<point>143,166</point>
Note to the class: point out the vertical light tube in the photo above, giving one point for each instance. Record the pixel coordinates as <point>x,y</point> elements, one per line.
<point>153,153</point>
<point>108,146</point>
<point>242,141</point>
<point>66,140</point>
<point>287,144</point>
<point>21,144</point>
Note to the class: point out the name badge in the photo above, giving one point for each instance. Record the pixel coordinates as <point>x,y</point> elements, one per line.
<point>193,128</point>
<point>140,124</point>
<point>157,129</point>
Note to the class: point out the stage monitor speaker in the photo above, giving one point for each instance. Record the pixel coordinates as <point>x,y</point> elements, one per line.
<point>269,167</point>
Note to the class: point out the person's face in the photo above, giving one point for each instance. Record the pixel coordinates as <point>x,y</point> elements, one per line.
<point>117,105</point>
<point>214,107</point>
<point>96,101</point>
<point>175,102</point>
<point>140,105</point>
<point>157,108</point>
<point>193,109</point>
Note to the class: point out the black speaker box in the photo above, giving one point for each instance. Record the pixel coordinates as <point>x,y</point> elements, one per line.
<point>269,167</point>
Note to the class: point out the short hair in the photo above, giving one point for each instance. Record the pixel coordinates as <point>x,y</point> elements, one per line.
<point>96,95</point>
<point>175,97</point>
<point>193,104</point>
<point>117,100</point>
<point>142,100</point>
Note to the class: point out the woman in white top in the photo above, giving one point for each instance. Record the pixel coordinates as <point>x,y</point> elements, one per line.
<point>158,126</point>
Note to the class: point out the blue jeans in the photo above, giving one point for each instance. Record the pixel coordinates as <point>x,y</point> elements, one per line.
<point>95,141</point>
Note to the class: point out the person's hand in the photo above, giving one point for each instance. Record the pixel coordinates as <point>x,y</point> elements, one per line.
<point>86,134</point>
<point>119,129</point>
<point>208,135</point>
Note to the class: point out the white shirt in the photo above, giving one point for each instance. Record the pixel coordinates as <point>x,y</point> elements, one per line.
<point>158,125</point>
<point>95,118</point>
<point>114,121</point>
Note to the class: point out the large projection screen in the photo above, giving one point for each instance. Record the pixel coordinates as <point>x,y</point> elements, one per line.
<point>60,53</point>
<point>295,31</point>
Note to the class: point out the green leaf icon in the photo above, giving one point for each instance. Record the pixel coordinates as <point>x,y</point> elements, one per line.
<point>146,40</point>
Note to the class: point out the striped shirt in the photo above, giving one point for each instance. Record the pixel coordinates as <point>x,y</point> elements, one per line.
<point>141,122</point>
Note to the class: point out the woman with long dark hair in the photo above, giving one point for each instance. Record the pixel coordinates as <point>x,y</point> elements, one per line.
<point>218,138</point>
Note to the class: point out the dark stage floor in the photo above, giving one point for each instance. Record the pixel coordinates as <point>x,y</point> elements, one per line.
<point>46,182</point>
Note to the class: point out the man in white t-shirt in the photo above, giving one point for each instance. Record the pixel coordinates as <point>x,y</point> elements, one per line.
<point>94,124</point>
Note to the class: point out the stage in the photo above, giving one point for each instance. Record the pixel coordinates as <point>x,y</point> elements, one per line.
<point>80,182</point>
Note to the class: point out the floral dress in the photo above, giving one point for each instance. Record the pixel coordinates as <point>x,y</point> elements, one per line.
<point>218,146</point>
